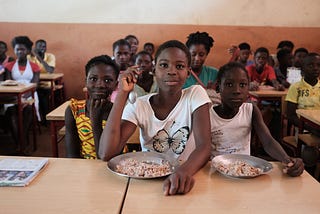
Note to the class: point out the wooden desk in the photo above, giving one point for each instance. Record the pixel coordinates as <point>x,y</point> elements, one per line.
<point>271,95</point>
<point>18,92</point>
<point>312,117</point>
<point>67,186</point>
<point>54,79</point>
<point>56,118</point>
<point>271,193</point>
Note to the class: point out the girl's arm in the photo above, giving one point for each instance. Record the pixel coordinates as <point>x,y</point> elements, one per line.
<point>72,138</point>
<point>270,145</point>
<point>181,181</point>
<point>116,132</point>
<point>292,166</point>
<point>291,113</point>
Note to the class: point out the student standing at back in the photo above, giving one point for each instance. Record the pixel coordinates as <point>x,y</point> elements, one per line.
<point>174,121</point>
<point>233,120</point>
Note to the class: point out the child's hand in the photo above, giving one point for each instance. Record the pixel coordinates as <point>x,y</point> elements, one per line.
<point>129,78</point>
<point>293,167</point>
<point>280,87</point>
<point>178,183</point>
<point>254,86</point>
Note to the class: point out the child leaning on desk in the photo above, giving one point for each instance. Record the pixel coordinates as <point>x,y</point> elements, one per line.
<point>85,119</point>
<point>232,121</point>
<point>174,121</point>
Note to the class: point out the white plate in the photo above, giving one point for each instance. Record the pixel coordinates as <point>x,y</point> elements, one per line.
<point>9,83</point>
<point>255,162</point>
<point>145,157</point>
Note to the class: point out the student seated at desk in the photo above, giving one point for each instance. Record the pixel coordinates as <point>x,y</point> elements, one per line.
<point>232,121</point>
<point>23,71</point>
<point>260,73</point>
<point>47,62</point>
<point>306,95</point>
<point>85,119</point>
<point>174,121</point>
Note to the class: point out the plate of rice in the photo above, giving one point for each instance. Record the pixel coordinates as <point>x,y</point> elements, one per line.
<point>142,165</point>
<point>240,166</point>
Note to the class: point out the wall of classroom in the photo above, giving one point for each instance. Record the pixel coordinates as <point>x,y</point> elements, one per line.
<point>77,30</point>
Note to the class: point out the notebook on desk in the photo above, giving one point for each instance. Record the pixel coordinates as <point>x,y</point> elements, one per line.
<point>20,172</point>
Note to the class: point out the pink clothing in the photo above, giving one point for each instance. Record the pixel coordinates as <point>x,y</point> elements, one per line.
<point>267,74</point>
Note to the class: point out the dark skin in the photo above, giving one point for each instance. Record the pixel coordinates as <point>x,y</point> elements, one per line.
<point>260,60</point>
<point>38,52</point>
<point>122,54</point>
<point>311,70</point>
<point>144,63</point>
<point>100,82</point>
<point>234,87</point>
<point>21,52</point>
<point>171,72</point>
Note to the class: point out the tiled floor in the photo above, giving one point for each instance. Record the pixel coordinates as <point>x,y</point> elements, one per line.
<point>43,144</point>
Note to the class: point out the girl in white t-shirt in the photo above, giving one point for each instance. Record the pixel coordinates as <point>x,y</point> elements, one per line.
<point>232,121</point>
<point>172,121</point>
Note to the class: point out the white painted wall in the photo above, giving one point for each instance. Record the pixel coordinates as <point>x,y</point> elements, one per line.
<point>289,13</point>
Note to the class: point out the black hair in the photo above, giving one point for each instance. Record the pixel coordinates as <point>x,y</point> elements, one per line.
<point>41,40</point>
<point>173,44</point>
<point>261,50</point>
<point>103,59</point>
<point>244,46</point>
<point>303,50</point>
<point>22,40</point>
<point>200,38</point>
<point>4,44</point>
<point>231,66</point>
<point>131,37</point>
<point>310,55</point>
<point>148,44</point>
<point>143,53</point>
<point>120,42</point>
<point>282,53</point>
<point>285,43</point>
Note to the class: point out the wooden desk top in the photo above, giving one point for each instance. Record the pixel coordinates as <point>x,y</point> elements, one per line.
<point>215,193</point>
<point>269,93</point>
<point>67,186</point>
<point>50,76</point>
<point>312,115</point>
<point>58,113</point>
<point>20,88</point>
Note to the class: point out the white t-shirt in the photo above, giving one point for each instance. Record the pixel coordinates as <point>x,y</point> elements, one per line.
<point>231,135</point>
<point>173,135</point>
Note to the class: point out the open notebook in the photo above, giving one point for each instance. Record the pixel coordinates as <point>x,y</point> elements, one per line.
<point>20,172</point>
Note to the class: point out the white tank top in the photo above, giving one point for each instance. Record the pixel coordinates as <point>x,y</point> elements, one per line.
<point>231,135</point>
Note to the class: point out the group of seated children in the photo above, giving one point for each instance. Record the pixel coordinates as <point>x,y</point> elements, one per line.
<point>179,122</point>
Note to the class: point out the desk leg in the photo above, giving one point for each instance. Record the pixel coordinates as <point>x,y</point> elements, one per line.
<point>20,124</point>
<point>52,95</point>
<point>54,142</point>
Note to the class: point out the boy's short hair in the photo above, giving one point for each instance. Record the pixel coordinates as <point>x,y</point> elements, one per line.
<point>262,50</point>
<point>244,46</point>
<point>120,42</point>
<point>303,50</point>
